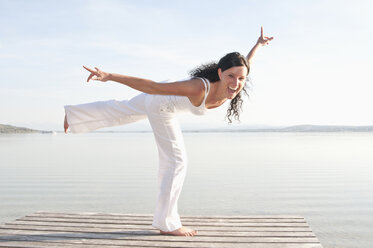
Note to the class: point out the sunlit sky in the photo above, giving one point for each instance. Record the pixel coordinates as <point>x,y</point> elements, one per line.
<point>317,70</point>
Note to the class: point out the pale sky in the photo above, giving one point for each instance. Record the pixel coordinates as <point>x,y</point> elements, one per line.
<point>317,70</point>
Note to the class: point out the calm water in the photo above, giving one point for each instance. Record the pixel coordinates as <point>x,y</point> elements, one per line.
<point>325,177</point>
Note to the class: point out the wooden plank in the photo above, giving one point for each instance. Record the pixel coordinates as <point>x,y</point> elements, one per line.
<point>152,236</point>
<point>120,238</point>
<point>135,222</point>
<point>144,232</point>
<point>237,235</point>
<point>191,216</point>
<point>149,227</point>
<point>147,218</point>
<point>34,244</point>
<point>179,242</point>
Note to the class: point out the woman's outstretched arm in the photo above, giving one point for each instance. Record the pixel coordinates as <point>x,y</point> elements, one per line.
<point>193,87</point>
<point>262,41</point>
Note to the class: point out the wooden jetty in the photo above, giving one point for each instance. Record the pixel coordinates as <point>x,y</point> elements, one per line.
<point>47,229</point>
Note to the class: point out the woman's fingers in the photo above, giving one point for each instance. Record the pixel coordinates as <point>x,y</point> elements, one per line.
<point>90,77</point>
<point>94,77</point>
<point>264,39</point>
<point>90,70</point>
<point>95,74</point>
<point>261,32</point>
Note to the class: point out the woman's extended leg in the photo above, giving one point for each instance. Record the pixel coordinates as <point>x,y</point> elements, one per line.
<point>91,116</point>
<point>172,166</point>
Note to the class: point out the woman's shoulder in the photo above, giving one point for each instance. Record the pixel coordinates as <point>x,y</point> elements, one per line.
<point>197,94</point>
<point>195,85</point>
<point>198,83</point>
<point>188,87</point>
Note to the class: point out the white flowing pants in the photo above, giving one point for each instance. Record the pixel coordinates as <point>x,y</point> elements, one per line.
<point>172,156</point>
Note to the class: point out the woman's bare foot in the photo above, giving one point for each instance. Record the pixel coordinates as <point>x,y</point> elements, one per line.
<point>65,124</point>
<point>182,231</point>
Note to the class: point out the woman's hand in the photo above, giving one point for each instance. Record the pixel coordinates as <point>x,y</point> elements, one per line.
<point>97,75</point>
<point>263,40</point>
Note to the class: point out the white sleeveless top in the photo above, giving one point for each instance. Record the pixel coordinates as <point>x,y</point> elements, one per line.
<point>182,103</point>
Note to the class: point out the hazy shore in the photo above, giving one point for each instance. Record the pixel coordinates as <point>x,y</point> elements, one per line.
<point>8,129</point>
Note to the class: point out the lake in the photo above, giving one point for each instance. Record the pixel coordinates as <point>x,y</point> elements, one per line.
<point>325,177</point>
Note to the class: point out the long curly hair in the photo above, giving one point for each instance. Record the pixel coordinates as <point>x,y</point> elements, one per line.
<point>210,71</point>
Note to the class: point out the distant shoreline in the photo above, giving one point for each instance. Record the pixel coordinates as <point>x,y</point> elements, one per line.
<point>290,129</point>
<point>8,129</point>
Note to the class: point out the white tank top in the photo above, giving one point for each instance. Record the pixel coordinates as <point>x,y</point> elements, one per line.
<point>182,103</point>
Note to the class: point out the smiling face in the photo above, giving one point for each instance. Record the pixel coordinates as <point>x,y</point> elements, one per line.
<point>232,81</point>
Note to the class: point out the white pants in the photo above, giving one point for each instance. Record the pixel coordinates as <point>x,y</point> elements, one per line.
<point>172,156</point>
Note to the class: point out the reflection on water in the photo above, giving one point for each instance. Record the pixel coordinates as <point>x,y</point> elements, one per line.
<point>325,177</point>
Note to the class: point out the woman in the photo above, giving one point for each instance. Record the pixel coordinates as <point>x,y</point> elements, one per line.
<point>159,103</point>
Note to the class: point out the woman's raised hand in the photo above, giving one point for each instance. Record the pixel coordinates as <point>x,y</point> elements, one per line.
<point>97,75</point>
<point>263,40</point>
